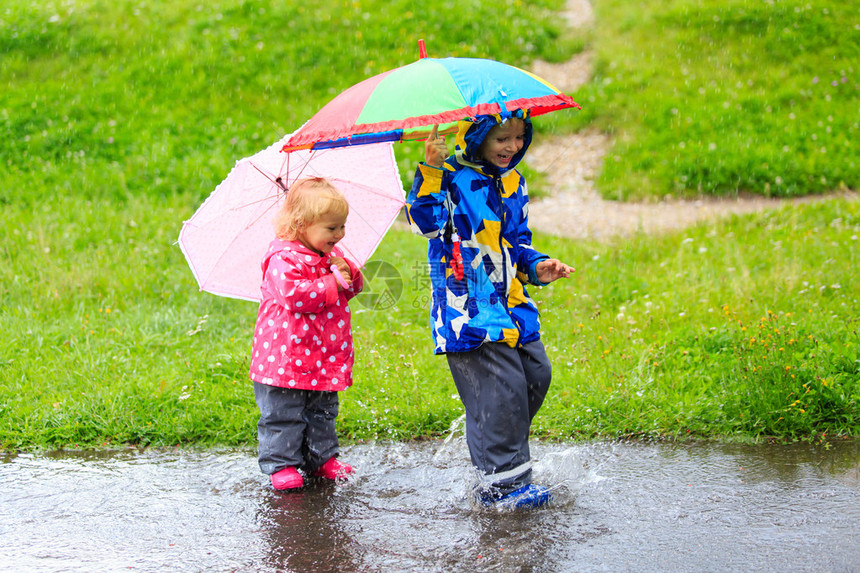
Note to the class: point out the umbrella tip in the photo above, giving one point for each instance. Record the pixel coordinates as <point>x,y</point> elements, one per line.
<point>422,51</point>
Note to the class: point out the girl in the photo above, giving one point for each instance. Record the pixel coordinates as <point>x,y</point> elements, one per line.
<point>302,351</point>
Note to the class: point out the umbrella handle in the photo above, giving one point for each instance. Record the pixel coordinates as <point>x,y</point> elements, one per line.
<point>339,277</point>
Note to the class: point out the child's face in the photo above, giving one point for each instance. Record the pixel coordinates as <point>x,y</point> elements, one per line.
<point>503,142</point>
<point>323,234</point>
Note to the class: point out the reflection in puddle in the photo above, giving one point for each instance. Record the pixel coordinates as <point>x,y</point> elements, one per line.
<point>618,507</point>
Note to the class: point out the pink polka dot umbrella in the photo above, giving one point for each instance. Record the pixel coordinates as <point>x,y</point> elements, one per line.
<point>226,238</point>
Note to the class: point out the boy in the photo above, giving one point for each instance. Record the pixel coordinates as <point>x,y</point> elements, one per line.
<point>473,208</point>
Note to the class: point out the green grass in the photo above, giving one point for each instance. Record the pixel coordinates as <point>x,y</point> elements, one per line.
<point>740,329</point>
<point>121,98</point>
<point>719,97</point>
<point>119,118</point>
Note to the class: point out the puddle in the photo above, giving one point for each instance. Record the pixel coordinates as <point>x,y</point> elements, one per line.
<point>617,507</point>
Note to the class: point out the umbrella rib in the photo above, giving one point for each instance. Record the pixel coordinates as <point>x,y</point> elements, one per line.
<point>364,187</point>
<point>318,152</point>
<point>285,163</point>
<point>275,181</point>
<point>301,169</point>
<point>285,168</point>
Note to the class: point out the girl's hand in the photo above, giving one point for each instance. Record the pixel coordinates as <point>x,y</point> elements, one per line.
<point>549,270</point>
<point>435,150</point>
<point>343,268</point>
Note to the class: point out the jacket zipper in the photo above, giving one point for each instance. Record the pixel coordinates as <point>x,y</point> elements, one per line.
<point>497,180</point>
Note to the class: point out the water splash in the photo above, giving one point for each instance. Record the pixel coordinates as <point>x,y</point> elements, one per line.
<point>448,450</point>
<point>567,472</point>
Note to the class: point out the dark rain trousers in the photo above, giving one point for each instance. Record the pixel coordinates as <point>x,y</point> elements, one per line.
<point>296,428</point>
<point>502,388</point>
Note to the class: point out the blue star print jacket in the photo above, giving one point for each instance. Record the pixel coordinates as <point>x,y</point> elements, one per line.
<point>488,208</point>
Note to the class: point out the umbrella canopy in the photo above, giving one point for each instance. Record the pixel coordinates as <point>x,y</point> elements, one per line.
<point>402,103</point>
<point>226,238</point>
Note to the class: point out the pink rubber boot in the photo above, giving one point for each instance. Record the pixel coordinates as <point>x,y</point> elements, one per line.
<point>287,478</point>
<point>333,469</point>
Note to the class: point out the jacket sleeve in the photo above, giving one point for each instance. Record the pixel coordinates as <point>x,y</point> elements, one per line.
<point>425,205</point>
<point>528,257</point>
<point>289,287</point>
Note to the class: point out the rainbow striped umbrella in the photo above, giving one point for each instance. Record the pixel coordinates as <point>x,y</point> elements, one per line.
<point>403,103</point>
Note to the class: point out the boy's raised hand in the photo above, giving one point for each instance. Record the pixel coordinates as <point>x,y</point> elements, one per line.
<point>435,149</point>
<point>549,270</point>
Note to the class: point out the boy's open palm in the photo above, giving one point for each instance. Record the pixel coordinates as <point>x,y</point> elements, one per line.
<point>550,270</point>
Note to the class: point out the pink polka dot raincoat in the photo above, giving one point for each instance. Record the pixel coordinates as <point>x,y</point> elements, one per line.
<point>302,338</point>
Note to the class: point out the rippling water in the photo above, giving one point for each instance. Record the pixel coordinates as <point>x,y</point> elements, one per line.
<point>617,507</point>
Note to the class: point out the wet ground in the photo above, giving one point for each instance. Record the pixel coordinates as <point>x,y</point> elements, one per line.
<point>618,507</point>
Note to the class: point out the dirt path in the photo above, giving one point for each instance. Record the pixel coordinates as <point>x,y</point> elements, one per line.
<point>571,164</point>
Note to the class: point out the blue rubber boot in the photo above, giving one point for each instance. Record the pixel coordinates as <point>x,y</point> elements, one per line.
<point>530,495</point>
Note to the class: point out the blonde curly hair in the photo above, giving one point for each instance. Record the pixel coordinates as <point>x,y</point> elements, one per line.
<point>306,202</point>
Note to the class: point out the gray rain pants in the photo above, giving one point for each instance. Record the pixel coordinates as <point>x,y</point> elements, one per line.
<point>502,389</point>
<point>296,428</point>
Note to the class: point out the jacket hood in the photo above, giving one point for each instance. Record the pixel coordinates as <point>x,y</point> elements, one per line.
<point>473,131</point>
